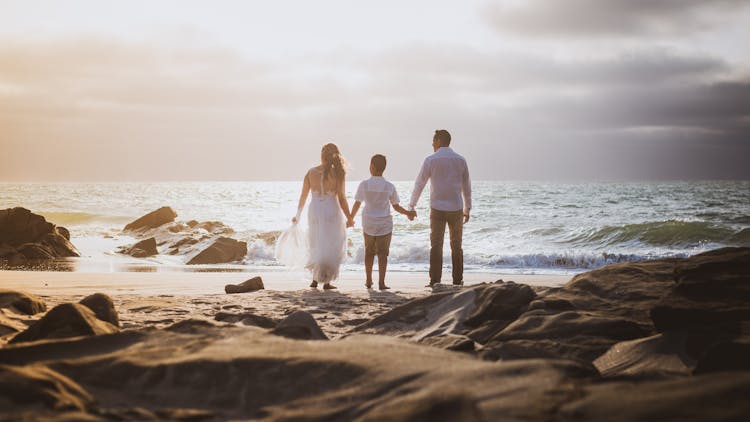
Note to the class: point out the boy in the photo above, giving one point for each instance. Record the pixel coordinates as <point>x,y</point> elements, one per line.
<point>377,223</point>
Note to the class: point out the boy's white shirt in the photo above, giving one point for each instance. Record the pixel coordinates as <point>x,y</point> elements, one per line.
<point>378,195</point>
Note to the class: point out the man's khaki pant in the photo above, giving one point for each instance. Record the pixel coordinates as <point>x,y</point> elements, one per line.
<point>455,221</point>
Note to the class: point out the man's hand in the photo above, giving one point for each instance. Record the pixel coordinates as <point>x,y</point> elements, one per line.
<point>412,215</point>
<point>466,217</point>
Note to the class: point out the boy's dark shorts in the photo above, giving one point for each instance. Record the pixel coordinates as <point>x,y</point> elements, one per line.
<point>376,245</point>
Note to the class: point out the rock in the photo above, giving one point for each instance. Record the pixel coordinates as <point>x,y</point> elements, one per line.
<point>214,227</point>
<point>31,388</point>
<point>656,355</point>
<point>712,292</point>
<point>21,302</point>
<point>246,319</point>
<point>224,250</point>
<point>251,285</point>
<point>728,356</point>
<point>25,235</point>
<point>143,249</point>
<point>63,232</point>
<point>709,397</point>
<point>153,219</point>
<point>103,307</point>
<point>360,377</point>
<point>299,325</point>
<point>269,237</point>
<point>65,320</point>
<point>192,223</point>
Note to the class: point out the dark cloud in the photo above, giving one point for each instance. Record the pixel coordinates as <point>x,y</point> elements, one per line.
<point>105,110</point>
<point>587,18</point>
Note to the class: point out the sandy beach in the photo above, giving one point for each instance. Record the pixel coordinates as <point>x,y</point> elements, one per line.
<point>159,299</point>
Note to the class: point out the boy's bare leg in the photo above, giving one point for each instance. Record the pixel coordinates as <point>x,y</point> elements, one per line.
<point>369,261</point>
<point>382,265</point>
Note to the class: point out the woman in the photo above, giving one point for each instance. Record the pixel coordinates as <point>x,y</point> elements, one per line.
<point>327,216</point>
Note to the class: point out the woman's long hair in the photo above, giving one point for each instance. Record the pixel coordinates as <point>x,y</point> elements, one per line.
<point>333,163</point>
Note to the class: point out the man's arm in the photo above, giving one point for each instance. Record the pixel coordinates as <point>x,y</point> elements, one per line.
<point>466,191</point>
<point>420,183</point>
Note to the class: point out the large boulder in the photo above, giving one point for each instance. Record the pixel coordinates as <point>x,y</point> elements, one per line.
<point>25,235</point>
<point>712,290</point>
<point>153,219</point>
<point>142,249</point>
<point>223,250</point>
<point>63,321</point>
<point>21,302</point>
<point>30,390</point>
<point>103,307</point>
<point>251,285</point>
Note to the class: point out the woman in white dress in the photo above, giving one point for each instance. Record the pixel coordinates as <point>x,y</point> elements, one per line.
<point>327,216</point>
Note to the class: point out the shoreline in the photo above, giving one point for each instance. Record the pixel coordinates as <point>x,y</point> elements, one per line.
<point>53,283</point>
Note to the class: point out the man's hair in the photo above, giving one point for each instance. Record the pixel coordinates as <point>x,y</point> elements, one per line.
<point>378,161</point>
<point>443,136</point>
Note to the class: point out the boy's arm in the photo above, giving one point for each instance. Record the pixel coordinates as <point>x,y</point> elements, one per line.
<point>403,211</point>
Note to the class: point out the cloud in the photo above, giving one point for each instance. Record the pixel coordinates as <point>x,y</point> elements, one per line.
<point>91,109</point>
<point>587,18</point>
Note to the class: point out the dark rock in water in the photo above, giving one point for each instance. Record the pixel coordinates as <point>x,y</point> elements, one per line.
<point>29,392</point>
<point>224,250</point>
<point>192,223</point>
<point>66,320</point>
<point>143,249</point>
<point>269,237</point>
<point>176,228</point>
<point>299,325</point>
<point>25,235</point>
<point>251,285</point>
<point>103,307</point>
<point>153,219</point>
<point>21,302</point>
<point>214,227</point>
<point>246,319</point>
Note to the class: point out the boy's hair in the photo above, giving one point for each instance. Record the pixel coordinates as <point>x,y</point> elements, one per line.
<point>443,136</point>
<point>378,161</point>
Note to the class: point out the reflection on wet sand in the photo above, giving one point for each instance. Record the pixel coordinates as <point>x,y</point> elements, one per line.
<point>87,265</point>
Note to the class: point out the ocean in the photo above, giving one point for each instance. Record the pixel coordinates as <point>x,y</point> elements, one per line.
<point>516,227</point>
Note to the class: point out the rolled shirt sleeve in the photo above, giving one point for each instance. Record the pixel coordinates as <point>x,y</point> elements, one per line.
<point>466,188</point>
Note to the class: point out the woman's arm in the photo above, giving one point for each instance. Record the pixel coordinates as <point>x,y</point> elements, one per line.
<point>344,204</point>
<point>302,196</point>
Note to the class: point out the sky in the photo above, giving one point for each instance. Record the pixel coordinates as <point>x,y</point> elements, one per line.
<point>250,90</point>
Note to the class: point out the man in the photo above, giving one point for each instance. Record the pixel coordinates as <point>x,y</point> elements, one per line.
<point>450,203</point>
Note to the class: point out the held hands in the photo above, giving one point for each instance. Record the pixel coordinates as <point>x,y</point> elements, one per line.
<point>349,222</point>
<point>411,215</point>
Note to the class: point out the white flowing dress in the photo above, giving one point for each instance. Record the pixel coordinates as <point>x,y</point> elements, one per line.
<point>326,236</point>
<point>324,248</point>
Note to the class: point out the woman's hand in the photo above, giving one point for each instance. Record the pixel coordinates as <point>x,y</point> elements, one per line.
<point>294,220</point>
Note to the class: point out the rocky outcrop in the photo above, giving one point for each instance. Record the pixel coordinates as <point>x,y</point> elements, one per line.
<point>103,307</point>
<point>299,325</point>
<point>66,320</point>
<point>21,302</point>
<point>25,235</point>
<point>152,220</point>
<point>142,249</point>
<point>223,250</point>
<point>251,285</point>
